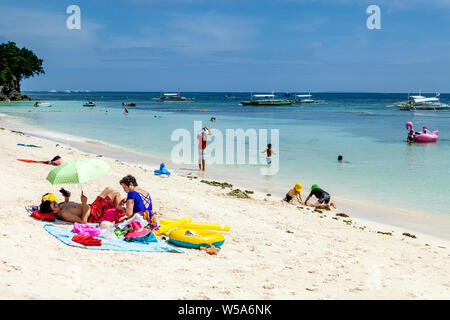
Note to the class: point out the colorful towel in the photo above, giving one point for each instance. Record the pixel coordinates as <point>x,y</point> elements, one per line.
<point>28,145</point>
<point>65,235</point>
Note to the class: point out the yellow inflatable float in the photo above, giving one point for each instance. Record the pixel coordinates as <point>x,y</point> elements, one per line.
<point>171,225</point>
<point>191,238</point>
<point>186,233</point>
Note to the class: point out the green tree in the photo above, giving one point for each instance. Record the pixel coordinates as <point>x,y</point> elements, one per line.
<point>17,64</point>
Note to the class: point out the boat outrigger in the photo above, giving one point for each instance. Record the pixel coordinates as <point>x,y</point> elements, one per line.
<point>89,104</point>
<point>172,97</point>
<point>131,104</point>
<point>268,100</point>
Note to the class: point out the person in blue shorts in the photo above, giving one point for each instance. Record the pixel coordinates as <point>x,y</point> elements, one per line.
<point>269,153</point>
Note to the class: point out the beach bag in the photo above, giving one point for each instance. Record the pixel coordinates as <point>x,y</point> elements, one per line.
<point>112,215</point>
<point>149,216</point>
<point>49,196</point>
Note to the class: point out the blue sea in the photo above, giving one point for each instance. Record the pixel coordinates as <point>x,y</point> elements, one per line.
<point>379,166</point>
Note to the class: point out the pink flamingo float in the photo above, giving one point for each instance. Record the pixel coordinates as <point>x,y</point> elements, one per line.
<point>422,136</point>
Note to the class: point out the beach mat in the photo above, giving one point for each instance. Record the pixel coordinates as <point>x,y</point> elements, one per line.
<point>65,235</point>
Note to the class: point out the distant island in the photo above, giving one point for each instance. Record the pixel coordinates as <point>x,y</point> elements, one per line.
<point>16,64</point>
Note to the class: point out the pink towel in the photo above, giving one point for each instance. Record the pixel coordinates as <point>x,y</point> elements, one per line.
<point>85,229</point>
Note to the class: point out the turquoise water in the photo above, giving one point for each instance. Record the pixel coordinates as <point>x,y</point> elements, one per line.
<point>379,165</point>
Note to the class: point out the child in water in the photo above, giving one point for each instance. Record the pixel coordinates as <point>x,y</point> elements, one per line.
<point>269,153</point>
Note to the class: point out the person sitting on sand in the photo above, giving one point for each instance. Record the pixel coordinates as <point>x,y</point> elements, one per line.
<point>323,198</point>
<point>138,201</point>
<point>82,212</point>
<point>295,192</point>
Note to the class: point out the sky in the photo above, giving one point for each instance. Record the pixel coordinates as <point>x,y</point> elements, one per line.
<point>234,45</point>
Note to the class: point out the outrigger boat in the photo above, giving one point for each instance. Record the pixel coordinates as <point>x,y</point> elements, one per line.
<point>131,104</point>
<point>268,101</point>
<point>89,104</point>
<point>421,103</point>
<point>42,104</point>
<point>306,98</point>
<point>172,97</point>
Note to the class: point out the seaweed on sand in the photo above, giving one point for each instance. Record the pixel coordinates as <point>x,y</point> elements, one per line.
<point>238,194</point>
<point>218,184</point>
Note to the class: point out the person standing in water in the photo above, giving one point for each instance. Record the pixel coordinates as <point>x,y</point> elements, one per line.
<point>202,136</point>
<point>269,153</point>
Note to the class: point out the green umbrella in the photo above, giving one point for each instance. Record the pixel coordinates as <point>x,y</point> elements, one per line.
<point>78,171</point>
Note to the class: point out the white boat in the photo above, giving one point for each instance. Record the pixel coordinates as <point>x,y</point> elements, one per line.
<point>172,97</point>
<point>306,98</point>
<point>422,103</point>
<point>42,104</point>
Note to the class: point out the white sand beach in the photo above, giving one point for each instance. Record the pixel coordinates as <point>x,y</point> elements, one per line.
<point>274,250</point>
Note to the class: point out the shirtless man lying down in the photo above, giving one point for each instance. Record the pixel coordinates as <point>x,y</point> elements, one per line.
<point>82,212</point>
